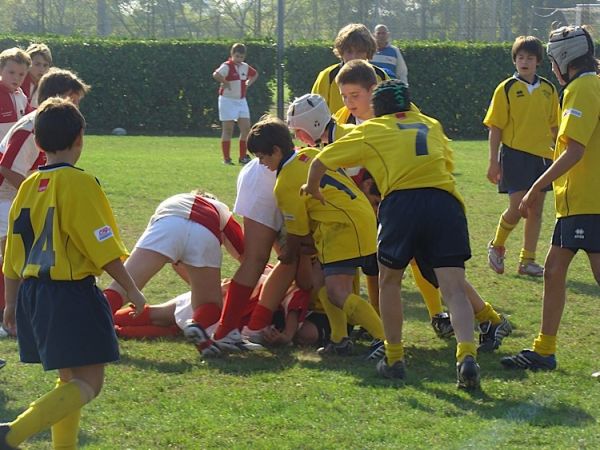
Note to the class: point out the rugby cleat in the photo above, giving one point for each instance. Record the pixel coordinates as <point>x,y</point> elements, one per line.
<point>467,374</point>
<point>376,350</point>
<point>395,371</point>
<point>233,342</point>
<point>531,269</point>
<point>244,160</point>
<point>496,258</point>
<point>442,326</point>
<point>4,429</point>
<point>342,348</point>
<point>491,336</point>
<point>528,359</point>
<point>2,363</point>
<point>198,336</point>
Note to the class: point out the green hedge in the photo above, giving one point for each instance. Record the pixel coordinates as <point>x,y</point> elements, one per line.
<point>154,86</point>
<point>167,86</point>
<point>450,81</point>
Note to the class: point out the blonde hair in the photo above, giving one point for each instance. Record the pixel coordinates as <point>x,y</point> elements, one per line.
<point>39,49</point>
<point>357,37</point>
<point>14,54</point>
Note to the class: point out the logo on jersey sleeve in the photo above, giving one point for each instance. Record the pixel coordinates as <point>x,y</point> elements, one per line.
<point>572,112</point>
<point>104,233</point>
<point>43,184</point>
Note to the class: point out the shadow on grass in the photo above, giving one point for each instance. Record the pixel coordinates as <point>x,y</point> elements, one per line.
<point>581,287</point>
<point>139,362</point>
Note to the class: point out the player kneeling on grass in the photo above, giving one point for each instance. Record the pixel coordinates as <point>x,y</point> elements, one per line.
<point>407,154</point>
<point>187,229</point>
<point>61,235</point>
<point>574,175</point>
<point>342,225</point>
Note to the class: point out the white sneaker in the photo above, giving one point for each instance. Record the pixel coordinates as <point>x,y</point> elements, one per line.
<point>496,258</point>
<point>254,336</point>
<point>3,332</point>
<point>235,343</point>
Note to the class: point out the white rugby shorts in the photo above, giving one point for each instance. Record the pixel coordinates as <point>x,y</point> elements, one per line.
<point>233,109</point>
<point>182,240</point>
<point>184,312</point>
<point>255,199</point>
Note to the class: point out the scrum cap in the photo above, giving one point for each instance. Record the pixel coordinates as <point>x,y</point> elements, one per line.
<point>568,43</point>
<point>310,114</point>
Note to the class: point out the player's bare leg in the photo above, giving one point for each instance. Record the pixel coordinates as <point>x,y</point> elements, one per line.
<point>531,234</point>
<point>555,278</point>
<point>143,264</point>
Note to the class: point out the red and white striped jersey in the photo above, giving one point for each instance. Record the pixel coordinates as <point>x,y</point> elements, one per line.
<point>236,75</point>
<point>19,153</point>
<point>29,88</point>
<point>13,106</point>
<point>212,214</point>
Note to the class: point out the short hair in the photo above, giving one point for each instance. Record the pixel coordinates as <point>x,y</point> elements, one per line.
<point>40,49</point>
<point>357,37</point>
<point>268,132</point>
<point>529,44</point>
<point>380,25</point>
<point>60,82</point>
<point>389,97</point>
<point>14,54</point>
<point>358,72</point>
<point>58,123</point>
<point>238,48</point>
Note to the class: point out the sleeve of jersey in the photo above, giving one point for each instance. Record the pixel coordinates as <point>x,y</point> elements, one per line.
<point>234,234</point>
<point>13,158</point>
<point>91,223</point>
<point>293,209</point>
<point>321,85</point>
<point>497,113</point>
<point>345,152</point>
<point>579,116</point>
<point>251,71</point>
<point>222,70</point>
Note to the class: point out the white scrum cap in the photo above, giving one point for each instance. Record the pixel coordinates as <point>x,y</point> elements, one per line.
<point>310,114</point>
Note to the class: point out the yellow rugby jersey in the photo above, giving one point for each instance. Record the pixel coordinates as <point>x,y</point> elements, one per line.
<point>576,192</point>
<point>344,116</point>
<point>406,150</point>
<point>61,227</point>
<point>525,113</point>
<point>327,88</point>
<point>344,228</point>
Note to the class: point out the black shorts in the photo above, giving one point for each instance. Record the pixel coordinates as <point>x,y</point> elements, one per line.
<point>580,232</point>
<point>520,170</point>
<point>426,224</point>
<point>64,324</point>
<point>368,264</point>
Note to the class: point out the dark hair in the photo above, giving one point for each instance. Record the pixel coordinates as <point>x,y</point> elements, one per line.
<point>389,97</point>
<point>60,82</point>
<point>238,48</point>
<point>585,63</point>
<point>268,132</point>
<point>358,72</point>
<point>357,37</point>
<point>58,123</point>
<point>529,44</point>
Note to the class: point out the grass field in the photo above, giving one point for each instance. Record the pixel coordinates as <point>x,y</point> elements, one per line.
<point>161,395</point>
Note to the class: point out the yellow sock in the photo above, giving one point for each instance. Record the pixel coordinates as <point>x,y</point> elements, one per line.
<point>394,352</point>
<point>373,289</point>
<point>464,349</point>
<point>46,411</point>
<point>362,313</point>
<point>431,294</point>
<point>488,313</point>
<point>502,231</point>
<point>65,432</point>
<point>526,256</point>
<point>545,345</point>
<point>337,318</point>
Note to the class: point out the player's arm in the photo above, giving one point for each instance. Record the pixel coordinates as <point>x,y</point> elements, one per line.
<point>494,140</point>
<point>291,249</point>
<point>253,75</point>
<point>315,173</point>
<point>219,76</point>
<point>11,288</point>
<point>275,337</point>
<point>11,176</point>
<point>119,273</point>
<point>570,157</point>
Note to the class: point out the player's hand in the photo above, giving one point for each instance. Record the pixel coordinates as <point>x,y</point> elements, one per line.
<point>529,199</point>
<point>287,258</point>
<point>273,336</point>
<point>137,298</point>
<point>494,172</point>
<point>225,84</point>
<point>9,320</point>
<point>312,191</point>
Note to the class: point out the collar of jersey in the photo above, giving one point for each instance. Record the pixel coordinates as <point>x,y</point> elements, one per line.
<point>56,166</point>
<point>285,161</point>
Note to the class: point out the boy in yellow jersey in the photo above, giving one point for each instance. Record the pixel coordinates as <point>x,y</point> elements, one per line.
<point>522,125</point>
<point>407,154</point>
<point>61,235</point>
<point>343,227</point>
<point>354,41</point>
<point>574,174</point>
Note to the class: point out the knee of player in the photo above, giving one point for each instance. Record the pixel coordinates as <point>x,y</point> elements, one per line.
<point>337,293</point>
